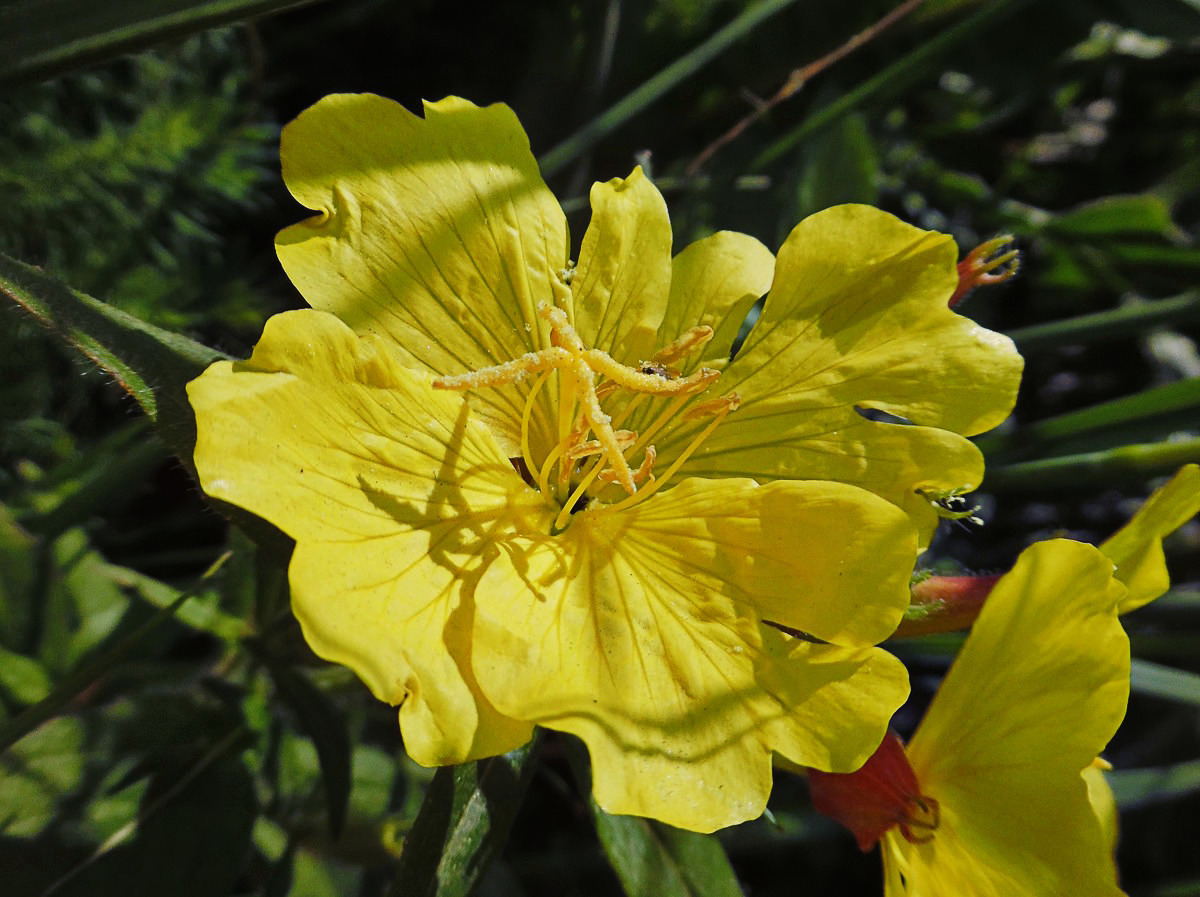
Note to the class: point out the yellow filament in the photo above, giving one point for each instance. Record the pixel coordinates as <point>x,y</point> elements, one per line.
<point>643,494</point>
<point>532,467</point>
<point>599,470</point>
<point>544,476</point>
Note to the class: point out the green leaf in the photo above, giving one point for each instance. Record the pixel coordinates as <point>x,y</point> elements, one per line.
<point>655,87</point>
<point>1165,682</point>
<point>1093,470</point>
<point>1130,319</point>
<point>1145,215</point>
<point>1136,418</point>
<point>463,823</point>
<point>22,678</point>
<point>152,364</point>
<point>36,774</point>
<point>67,691</point>
<point>191,835</point>
<point>838,165</point>
<point>41,38</point>
<point>325,725</point>
<point>1138,787</point>
<point>655,860</point>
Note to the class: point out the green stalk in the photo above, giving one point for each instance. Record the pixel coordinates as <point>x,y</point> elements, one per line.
<point>1093,470</point>
<point>1115,323</point>
<point>892,79</point>
<point>654,88</point>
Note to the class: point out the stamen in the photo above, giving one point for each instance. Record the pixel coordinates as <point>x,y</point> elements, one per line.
<point>604,474</point>
<point>601,425</point>
<point>723,405</point>
<point>731,401</point>
<point>927,820</point>
<point>530,465</point>
<point>641,474</point>
<point>625,439</point>
<point>693,339</point>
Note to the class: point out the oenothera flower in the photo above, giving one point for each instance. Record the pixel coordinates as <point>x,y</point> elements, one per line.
<point>525,493</point>
<point>990,797</point>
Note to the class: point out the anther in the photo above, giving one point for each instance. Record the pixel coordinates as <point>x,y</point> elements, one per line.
<point>625,439</point>
<point>692,339</point>
<point>723,405</point>
<point>640,475</point>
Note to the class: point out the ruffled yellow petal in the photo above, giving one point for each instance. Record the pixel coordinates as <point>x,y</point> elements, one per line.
<point>857,318</point>
<point>437,232</point>
<point>1037,691</point>
<point>1137,549</point>
<point>640,631</point>
<point>623,278</point>
<point>396,499</point>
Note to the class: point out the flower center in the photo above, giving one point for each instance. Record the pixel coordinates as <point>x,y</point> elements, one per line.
<point>593,449</point>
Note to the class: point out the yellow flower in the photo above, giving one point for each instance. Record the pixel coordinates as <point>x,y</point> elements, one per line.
<point>991,796</point>
<point>525,493</point>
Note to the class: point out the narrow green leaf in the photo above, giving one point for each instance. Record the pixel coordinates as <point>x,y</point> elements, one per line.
<point>655,87</point>
<point>1138,787</point>
<point>652,859</point>
<point>326,726</point>
<point>1117,323</point>
<point>42,38</point>
<point>655,860</point>
<point>1165,682</point>
<point>1174,406</point>
<point>203,612</point>
<point>892,79</point>
<point>1091,470</point>
<point>463,823</point>
<point>1144,214</point>
<point>152,364</point>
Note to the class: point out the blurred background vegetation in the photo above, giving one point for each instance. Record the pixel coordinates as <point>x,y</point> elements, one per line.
<point>166,731</point>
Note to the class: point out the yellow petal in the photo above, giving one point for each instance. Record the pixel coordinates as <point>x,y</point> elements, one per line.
<point>395,499</point>
<point>621,283</point>
<point>857,317</point>
<point>714,282</point>
<point>437,232</point>
<point>1035,694</point>
<point>1136,548</point>
<point>1104,803</point>
<point>639,631</point>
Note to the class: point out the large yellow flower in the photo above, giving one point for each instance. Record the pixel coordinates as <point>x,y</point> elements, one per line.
<point>525,493</point>
<point>990,797</point>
